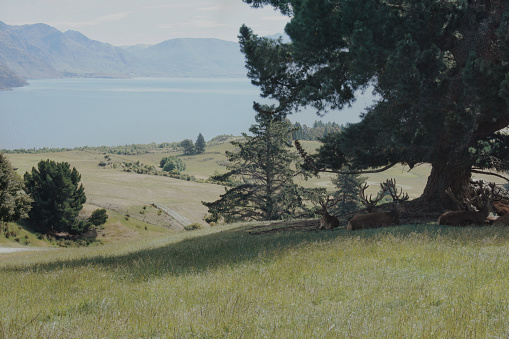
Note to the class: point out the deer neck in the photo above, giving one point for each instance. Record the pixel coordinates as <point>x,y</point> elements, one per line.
<point>485,211</point>
<point>395,212</point>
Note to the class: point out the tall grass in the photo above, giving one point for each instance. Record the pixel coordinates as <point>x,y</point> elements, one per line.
<point>407,281</point>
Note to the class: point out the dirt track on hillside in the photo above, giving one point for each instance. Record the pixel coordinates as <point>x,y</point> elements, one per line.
<point>17,249</point>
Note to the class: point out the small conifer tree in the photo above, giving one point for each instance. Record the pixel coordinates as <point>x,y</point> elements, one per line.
<point>348,186</point>
<point>262,167</point>
<point>199,146</point>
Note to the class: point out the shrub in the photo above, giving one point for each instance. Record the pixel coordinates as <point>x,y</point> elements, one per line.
<point>81,226</point>
<point>98,217</point>
<point>192,227</point>
<point>172,163</point>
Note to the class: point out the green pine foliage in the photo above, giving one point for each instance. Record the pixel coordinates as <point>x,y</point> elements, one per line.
<point>348,187</point>
<point>58,197</point>
<point>98,217</point>
<point>199,146</point>
<point>439,69</point>
<point>14,203</point>
<point>262,168</point>
<point>318,131</point>
<point>188,146</point>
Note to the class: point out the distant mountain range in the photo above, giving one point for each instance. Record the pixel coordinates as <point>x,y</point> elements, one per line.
<point>40,51</point>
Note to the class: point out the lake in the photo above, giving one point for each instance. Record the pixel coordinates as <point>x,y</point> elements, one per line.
<point>111,112</point>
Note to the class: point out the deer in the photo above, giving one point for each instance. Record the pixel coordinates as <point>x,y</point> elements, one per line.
<point>379,219</point>
<point>470,217</point>
<point>327,221</point>
<point>502,220</point>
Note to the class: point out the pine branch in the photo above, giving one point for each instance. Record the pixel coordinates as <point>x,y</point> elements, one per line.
<point>312,164</point>
<point>489,173</point>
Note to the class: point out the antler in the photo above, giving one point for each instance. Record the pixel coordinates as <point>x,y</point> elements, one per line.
<point>328,200</point>
<point>487,191</point>
<point>390,185</point>
<point>495,192</point>
<point>370,202</point>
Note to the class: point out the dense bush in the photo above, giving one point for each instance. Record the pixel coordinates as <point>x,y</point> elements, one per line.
<point>98,217</point>
<point>172,163</point>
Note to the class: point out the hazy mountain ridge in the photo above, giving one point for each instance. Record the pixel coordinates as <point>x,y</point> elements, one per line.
<point>9,79</point>
<point>40,51</point>
<point>193,57</point>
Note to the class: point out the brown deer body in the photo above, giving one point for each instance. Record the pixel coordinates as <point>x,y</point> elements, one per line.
<point>376,219</point>
<point>327,221</point>
<point>379,219</point>
<point>502,221</point>
<point>464,218</point>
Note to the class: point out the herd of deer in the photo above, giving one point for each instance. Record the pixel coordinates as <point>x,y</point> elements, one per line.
<point>485,195</point>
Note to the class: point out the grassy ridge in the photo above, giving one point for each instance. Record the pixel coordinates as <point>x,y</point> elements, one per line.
<point>406,281</point>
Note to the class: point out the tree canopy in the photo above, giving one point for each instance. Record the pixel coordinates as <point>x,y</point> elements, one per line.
<point>188,146</point>
<point>14,203</point>
<point>439,68</point>
<point>199,146</point>
<point>262,166</point>
<point>58,197</point>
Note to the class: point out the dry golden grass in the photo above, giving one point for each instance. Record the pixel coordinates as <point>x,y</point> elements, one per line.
<point>105,186</point>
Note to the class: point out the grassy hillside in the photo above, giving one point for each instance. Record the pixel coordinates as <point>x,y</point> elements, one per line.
<point>234,281</point>
<point>245,280</point>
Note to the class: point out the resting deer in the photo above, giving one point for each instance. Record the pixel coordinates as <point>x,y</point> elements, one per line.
<point>327,221</point>
<point>463,218</point>
<point>502,220</point>
<point>379,219</point>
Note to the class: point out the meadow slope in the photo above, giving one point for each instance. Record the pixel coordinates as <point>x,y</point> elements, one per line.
<point>250,280</point>
<point>407,281</point>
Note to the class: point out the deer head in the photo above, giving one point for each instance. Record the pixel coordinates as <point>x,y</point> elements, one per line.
<point>327,203</point>
<point>370,202</point>
<point>328,221</point>
<point>380,219</point>
<point>390,186</point>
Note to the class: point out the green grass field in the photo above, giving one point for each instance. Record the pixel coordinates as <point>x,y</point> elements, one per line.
<point>407,281</point>
<point>149,281</point>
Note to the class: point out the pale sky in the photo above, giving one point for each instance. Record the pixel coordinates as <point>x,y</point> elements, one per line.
<point>130,22</point>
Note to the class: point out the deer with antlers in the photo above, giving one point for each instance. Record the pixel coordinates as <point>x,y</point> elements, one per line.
<point>485,195</point>
<point>379,219</point>
<point>327,221</point>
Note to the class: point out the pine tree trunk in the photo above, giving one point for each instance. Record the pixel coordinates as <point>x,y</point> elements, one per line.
<point>449,169</point>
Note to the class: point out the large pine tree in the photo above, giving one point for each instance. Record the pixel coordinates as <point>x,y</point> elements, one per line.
<point>58,197</point>
<point>262,167</point>
<point>439,68</point>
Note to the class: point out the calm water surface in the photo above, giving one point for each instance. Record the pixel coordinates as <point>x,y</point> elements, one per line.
<point>94,112</point>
